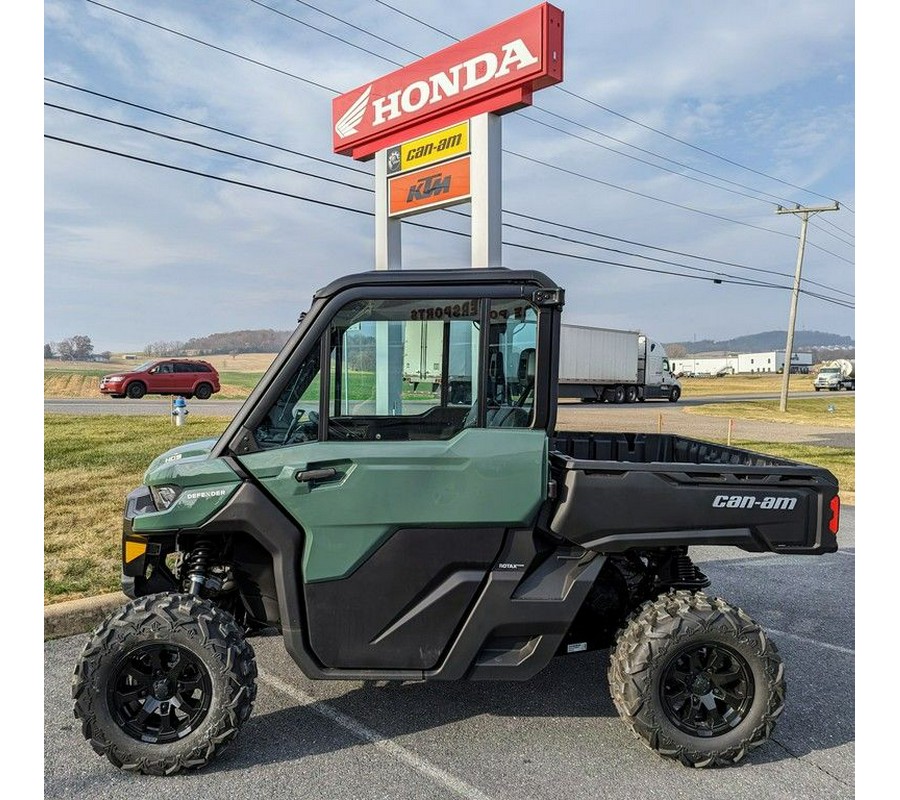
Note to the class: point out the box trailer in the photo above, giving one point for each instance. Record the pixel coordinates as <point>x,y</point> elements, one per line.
<point>602,364</point>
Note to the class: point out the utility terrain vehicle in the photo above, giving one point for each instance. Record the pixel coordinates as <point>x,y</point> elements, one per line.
<point>391,535</point>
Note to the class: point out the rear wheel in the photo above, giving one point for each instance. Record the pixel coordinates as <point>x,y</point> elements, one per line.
<point>696,679</point>
<point>631,394</point>
<point>618,395</point>
<point>136,390</point>
<point>164,684</point>
<point>203,391</point>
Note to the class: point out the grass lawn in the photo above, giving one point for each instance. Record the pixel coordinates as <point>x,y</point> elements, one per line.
<point>90,464</point>
<point>832,410</point>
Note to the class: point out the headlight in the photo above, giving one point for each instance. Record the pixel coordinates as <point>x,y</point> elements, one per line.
<point>164,496</point>
<point>113,378</point>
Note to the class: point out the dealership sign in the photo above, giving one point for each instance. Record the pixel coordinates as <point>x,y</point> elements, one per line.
<point>495,71</point>
<point>438,146</point>
<point>446,184</point>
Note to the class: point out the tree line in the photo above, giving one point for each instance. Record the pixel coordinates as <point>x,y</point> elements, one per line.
<point>80,347</point>
<point>75,348</point>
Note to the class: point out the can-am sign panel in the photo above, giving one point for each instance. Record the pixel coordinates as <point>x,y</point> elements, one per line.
<point>493,71</point>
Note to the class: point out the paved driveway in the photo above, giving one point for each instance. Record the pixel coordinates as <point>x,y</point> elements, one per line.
<point>556,736</point>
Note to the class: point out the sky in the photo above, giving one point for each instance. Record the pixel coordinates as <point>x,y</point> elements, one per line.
<point>677,131</point>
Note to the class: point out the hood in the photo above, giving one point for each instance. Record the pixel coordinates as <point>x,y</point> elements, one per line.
<point>185,453</point>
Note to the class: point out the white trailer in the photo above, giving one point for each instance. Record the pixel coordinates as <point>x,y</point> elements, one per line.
<point>595,364</point>
<point>602,364</point>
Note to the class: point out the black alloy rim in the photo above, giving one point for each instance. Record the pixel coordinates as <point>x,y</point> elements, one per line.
<point>707,689</point>
<point>159,693</point>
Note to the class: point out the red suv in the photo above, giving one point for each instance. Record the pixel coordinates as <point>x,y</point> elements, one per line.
<point>170,376</point>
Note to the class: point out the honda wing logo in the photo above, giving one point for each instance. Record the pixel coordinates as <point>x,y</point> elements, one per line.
<point>349,123</point>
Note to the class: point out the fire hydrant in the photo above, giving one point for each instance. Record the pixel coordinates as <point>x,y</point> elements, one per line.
<point>179,410</point>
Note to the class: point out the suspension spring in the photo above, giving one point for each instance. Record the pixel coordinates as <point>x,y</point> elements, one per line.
<point>198,564</point>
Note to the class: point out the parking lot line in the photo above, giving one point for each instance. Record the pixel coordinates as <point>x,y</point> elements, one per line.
<point>370,736</point>
<point>836,647</point>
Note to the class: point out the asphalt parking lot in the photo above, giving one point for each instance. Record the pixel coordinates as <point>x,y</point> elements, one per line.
<point>556,736</point>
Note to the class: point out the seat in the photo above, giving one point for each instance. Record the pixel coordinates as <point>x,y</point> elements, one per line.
<point>509,415</point>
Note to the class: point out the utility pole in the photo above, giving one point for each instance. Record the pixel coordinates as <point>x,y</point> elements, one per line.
<point>804,214</point>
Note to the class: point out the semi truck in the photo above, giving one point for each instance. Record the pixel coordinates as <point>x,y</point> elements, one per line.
<point>616,366</point>
<point>836,375</point>
<point>595,365</point>
<point>387,539</point>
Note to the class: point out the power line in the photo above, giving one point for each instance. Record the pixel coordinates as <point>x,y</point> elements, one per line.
<point>627,118</point>
<point>368,189</point>
<point>671,252</point>
<point>320,30</point>
<point>263,162</point>
<point>244,184</point>
<point>651,153</point>
<point>357,28</point>
<point>416,19</point>
<point>200,174</point>
<point>692,146</point>
<point>335,91</point>
<point>215,47</point>
<point>192,143</point>
<point>645,196</point>
<point>340,164</point>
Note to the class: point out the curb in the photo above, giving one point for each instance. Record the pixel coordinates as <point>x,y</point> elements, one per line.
<point>79,616</point>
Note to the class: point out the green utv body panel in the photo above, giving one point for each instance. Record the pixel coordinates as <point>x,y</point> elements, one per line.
<point>479,478</point>
<point>206,483</point>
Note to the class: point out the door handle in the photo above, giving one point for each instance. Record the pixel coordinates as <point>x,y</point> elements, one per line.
<point>312,475</point>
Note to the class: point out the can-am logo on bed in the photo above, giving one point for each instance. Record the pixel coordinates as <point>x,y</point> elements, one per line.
<point>751,501</point>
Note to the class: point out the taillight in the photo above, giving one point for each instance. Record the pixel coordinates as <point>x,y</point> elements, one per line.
<point>835,521</point>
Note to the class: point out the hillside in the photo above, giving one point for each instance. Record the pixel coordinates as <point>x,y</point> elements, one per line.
<point>770,340</point>
<point>249,341</point>
<point>828,345</point>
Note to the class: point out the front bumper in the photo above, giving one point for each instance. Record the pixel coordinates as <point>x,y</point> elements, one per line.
<point>137,552</point>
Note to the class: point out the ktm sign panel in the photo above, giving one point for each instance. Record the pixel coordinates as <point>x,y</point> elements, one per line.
<point>493,71</point>
<point>438,146</point>
<point>432,187</point>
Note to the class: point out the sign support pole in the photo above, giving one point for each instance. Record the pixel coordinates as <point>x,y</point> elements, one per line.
<point>487,190</point>
<point>387,230</point>
<point>388,335</point>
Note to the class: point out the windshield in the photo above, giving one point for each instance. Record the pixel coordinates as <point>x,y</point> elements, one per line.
<point>829,371</point>
<point>143,367</point>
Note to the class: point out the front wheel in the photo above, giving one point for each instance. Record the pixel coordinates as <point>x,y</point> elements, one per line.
<point>696,679</point>
<point>164,684</point>
<point>203,391</point>
<point>136,390</point>
<point>674,394</point>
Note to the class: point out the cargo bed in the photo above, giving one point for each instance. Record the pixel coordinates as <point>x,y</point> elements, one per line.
<point>623,491</point>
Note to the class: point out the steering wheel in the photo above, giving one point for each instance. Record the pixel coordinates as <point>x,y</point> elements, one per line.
<point>298,413</point>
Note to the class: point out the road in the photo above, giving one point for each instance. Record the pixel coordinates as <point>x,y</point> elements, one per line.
<point>556,736</point>
<point>228,408</point>
<point>647,417</point>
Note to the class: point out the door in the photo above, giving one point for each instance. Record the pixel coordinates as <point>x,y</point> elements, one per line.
<point>404,495</point>
<point>163,378</point>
